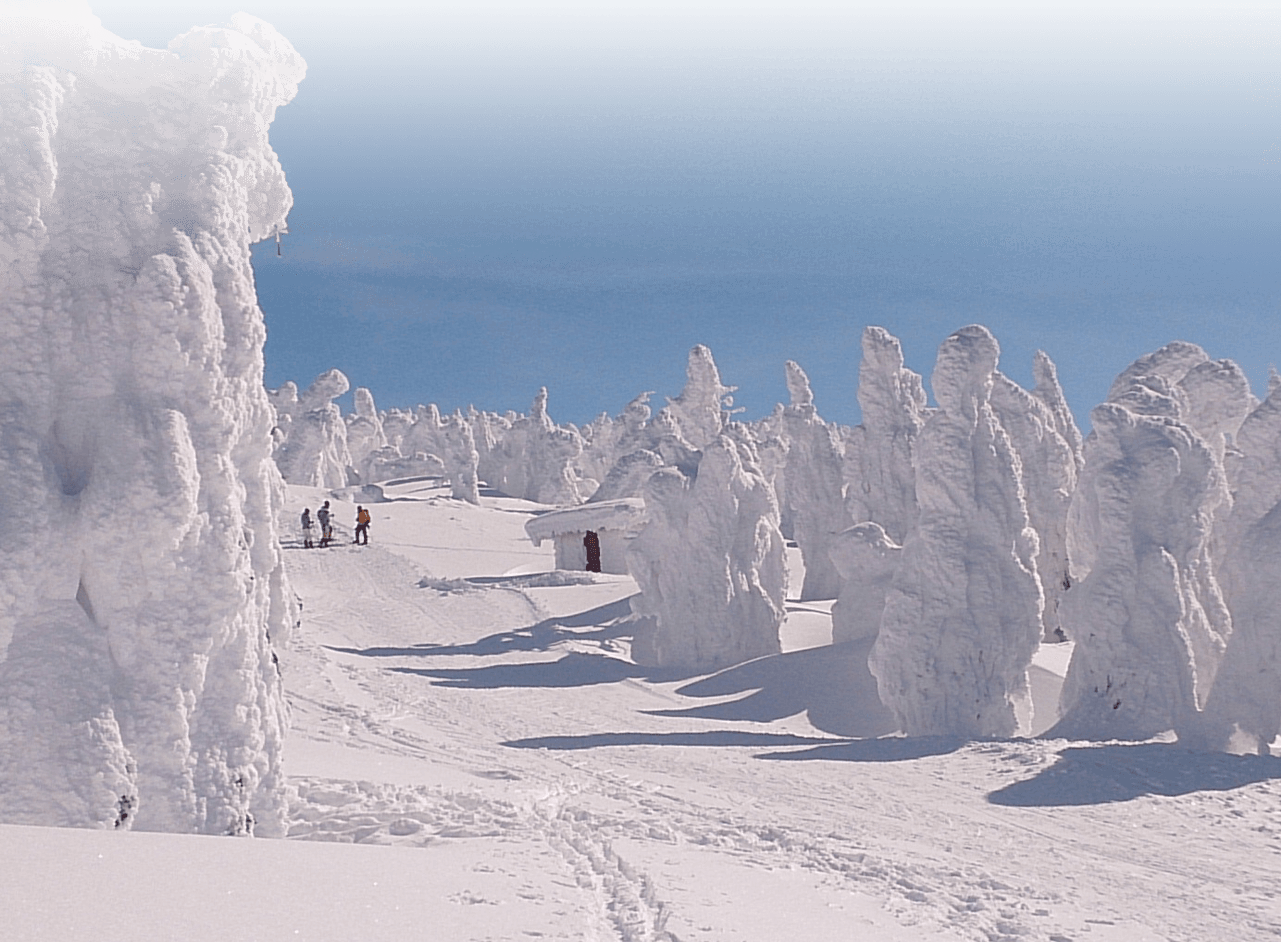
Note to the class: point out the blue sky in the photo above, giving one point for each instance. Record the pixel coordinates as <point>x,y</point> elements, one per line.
<point>572,195</point>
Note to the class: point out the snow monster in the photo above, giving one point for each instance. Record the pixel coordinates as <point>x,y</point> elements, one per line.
<point>141,585</point>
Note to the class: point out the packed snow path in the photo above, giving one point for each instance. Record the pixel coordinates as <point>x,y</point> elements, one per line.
<point>452,697</point>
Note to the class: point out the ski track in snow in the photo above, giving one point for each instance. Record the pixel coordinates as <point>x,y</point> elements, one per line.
<point>522,722</point>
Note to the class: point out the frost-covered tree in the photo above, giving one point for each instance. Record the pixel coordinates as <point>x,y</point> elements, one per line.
<point>1047,389</point>
<point>314,450</point>
<point>1145,608</point>
<point>1243,710</point>
<point>709,563</point>
<point>866,559</point>
<point>963,613</point>
<point>1048,468</point>
<point>460,458</point>
<point>702,409</point>
<point>141,573</point>
<point>531,456</point>
<point>880,471</point>
<point>364,429</point>
<point>814,488</point>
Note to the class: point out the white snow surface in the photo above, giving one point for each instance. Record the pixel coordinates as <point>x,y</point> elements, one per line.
<point>142,575</point>
<point>626,514</point>
<point>483,760</point>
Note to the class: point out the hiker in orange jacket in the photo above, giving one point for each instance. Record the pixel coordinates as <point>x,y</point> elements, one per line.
<point>362,525</point>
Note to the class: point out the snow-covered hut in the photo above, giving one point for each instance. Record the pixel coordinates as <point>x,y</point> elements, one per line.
<point>613,521</point>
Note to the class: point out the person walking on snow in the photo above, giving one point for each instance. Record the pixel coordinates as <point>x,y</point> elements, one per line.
<point>326,525</point>
<point>362,526</point>
<point>306,528</point>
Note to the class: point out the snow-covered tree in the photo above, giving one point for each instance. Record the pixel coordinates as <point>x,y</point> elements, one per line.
<point>709,563</point>
<point>1243,709</point>
<point>364,429</point>
<point>313,450</point>
<point>814,485</point>
<point>1048,470</point>
<point>1145,608</point>
<point>141,572</point>
<point>963,613</point>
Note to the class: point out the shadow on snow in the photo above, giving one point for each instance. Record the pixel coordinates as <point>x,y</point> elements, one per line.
<point>886,749</point>
<point>712,737</point>
<point>539,637</point>
<point>1092,775</point>
<point>572,670</point>
<point>832,685</point>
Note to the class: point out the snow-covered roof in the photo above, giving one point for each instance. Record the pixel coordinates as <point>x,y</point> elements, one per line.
<point>627,513</point>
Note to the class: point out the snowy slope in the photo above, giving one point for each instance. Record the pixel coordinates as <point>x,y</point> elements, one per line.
<point>509,773</point>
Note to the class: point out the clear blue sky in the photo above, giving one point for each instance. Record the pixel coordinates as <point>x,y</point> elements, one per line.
<point>547,194</point>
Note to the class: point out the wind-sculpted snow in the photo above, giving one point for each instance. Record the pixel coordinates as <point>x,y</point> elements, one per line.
<point>814,492</point>
<point>1145,609</point>
<point>709,563</point>
<point>963,613</point>
<point>311,436</point>
<point>141,569</point>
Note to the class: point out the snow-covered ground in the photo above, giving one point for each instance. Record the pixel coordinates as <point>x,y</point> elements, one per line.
<point>474,756</point>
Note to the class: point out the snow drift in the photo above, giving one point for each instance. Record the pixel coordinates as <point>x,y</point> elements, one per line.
<point>142,579</point>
